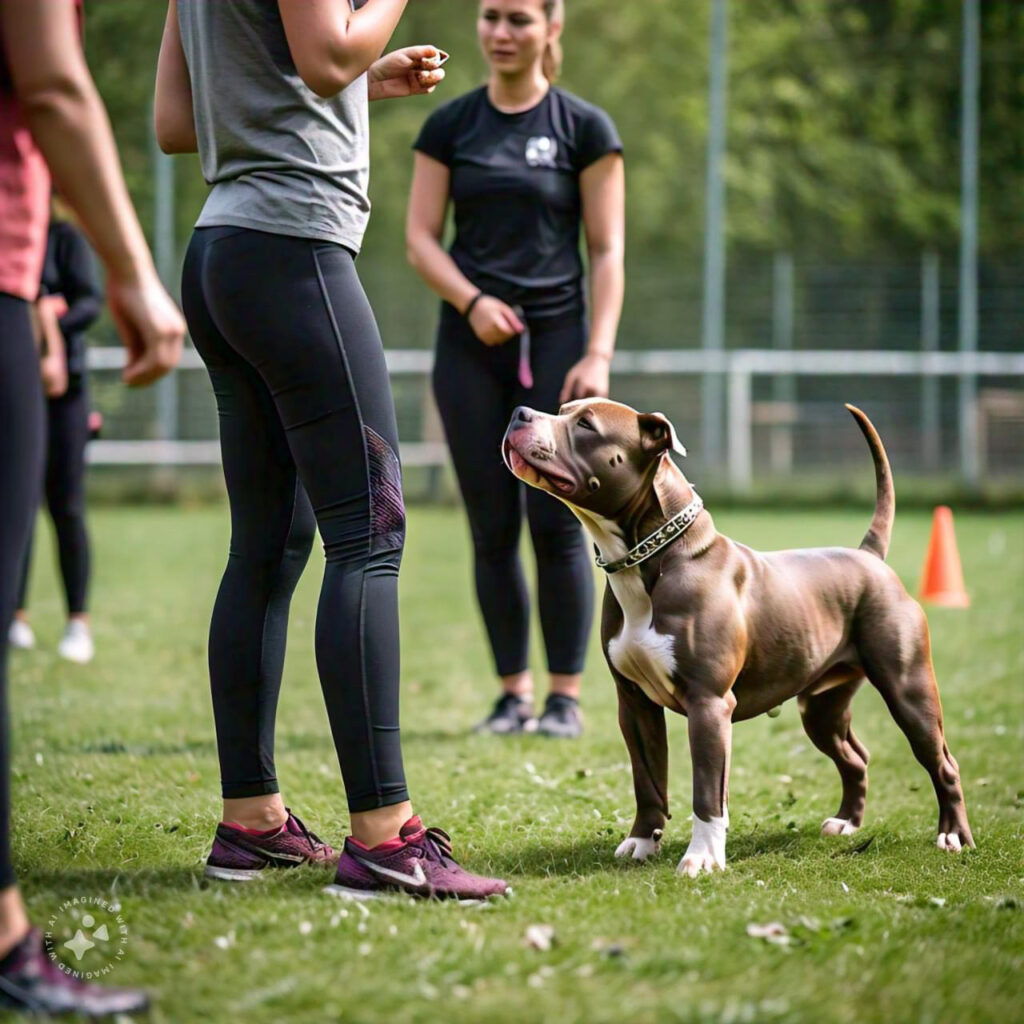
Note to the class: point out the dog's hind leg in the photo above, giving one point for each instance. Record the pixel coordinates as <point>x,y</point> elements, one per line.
<point>900,667</point>
<point>826,718</point>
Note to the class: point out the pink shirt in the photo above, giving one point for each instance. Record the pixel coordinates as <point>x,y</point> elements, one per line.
<point>24,192</point>
<point>24,203</point>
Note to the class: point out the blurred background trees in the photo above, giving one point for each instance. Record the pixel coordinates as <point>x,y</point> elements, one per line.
<point>842,130</point>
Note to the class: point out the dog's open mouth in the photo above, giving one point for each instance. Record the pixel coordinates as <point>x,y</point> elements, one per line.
<point>531,474</point>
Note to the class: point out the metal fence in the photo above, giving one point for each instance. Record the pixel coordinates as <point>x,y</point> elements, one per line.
<point>801,339</point>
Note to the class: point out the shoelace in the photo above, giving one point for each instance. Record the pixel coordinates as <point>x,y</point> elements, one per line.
<point>312,838</point>
<point>505,704</point>
<point>438,842</point>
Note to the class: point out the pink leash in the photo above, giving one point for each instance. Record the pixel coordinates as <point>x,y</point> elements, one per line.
<point>525,371</point>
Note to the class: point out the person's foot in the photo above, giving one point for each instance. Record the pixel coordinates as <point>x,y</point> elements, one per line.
<point>419,862</point>
<point>510,714</point>
<point>562,718</point>
<point>31,983</point>
<point>76,643</point>
<point>240,854</point>
<point>20,635</point>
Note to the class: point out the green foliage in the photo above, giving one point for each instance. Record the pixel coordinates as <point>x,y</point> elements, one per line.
<point>843,120</point>
<point>115,791</point>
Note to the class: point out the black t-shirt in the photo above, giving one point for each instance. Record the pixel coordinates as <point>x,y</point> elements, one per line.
<point>515,186</point>
<point>69,270</point>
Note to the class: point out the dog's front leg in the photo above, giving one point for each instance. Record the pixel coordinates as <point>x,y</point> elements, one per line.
<point>710,728</point>
<point>643,727</point>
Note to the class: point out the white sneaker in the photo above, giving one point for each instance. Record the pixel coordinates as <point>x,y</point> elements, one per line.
<point>76,644</point>
<point>20,635</point>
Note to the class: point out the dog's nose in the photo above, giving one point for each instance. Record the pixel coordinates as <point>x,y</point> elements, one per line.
<point>522,415</point>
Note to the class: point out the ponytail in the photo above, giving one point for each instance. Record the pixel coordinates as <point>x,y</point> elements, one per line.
<point>551,63</point>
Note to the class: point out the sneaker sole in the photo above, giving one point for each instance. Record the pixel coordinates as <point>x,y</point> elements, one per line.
<point>365,895</point>
<point>76,659</point>
<point>232,874</point>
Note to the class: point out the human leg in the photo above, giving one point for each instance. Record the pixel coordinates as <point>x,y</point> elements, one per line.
<point>565,585</point>
<point>472,386</point>
<point>22,431</point>
<point>271,536</point>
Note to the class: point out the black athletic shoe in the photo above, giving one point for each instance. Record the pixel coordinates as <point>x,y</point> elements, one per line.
<point>562,718</point>
<point>31,983</point>
<point>511,714</point>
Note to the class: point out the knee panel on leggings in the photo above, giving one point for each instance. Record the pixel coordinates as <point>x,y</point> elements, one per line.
<point>387,507</point>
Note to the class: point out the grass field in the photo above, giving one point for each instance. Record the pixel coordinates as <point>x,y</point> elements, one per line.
<point>116,792</point>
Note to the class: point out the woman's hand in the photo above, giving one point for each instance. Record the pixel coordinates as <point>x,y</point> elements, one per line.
<point>151,328</point>
<point>53,364</point>
<point>411,71</point>
<point>494,322</point>
<point>587,379</point>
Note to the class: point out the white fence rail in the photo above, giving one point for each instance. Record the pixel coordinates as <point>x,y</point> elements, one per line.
<point>739,368</point>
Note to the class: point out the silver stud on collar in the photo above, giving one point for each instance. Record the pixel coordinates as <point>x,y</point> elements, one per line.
<point>662,537</point>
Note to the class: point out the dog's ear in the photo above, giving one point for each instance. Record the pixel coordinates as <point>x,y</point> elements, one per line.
<point>657,434</point>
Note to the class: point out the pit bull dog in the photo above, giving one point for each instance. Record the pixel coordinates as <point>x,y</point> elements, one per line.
<point>704,626</point>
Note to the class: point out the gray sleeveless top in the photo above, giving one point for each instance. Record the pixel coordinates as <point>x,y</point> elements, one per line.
<point>280,158</point>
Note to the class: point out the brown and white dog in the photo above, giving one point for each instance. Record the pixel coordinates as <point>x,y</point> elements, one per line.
<point>699,624</point>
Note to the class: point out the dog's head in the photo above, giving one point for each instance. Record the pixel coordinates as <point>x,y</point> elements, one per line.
<point>594,454</point>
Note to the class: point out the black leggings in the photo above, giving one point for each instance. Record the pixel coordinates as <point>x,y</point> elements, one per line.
<point>305,407</point>
<point>21,473</point>
<point>477,389</point>
<point>67,434</point>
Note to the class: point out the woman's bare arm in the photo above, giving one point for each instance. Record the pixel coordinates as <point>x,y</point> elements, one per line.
<point>424,227</point>
<point>333,45</point>
<point>492,320</point>
<point>603,193</point>
<point>69,124</point>
<point>173,115</point>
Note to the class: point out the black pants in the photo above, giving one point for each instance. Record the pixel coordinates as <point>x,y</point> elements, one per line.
<point>305,407</point>
<point>21,471</point>
<point>64,487</point>
<point>477,389</point>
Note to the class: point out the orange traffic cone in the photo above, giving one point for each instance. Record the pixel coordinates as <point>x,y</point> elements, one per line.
<point>942,581</point>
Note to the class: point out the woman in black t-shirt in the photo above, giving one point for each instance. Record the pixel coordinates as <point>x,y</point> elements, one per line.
<point>524,164</point>
<point>69,276</point>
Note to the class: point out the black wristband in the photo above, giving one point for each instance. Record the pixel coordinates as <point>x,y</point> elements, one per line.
<point>472,302</point>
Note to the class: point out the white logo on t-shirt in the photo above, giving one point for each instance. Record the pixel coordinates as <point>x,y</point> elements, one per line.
<point>540,151</point>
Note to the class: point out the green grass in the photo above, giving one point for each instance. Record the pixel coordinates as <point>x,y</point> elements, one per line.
<point>116,791</point>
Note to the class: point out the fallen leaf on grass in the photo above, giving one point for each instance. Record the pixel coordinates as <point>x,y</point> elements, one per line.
<point>540,936</point>
<point>774,932</point>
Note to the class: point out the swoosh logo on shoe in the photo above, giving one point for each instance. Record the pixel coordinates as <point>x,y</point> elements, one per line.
<point>417,879</point>
<point>258,851</point>
<point>293,858</point>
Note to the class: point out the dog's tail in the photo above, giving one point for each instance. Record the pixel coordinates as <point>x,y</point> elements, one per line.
<point>876,540</point>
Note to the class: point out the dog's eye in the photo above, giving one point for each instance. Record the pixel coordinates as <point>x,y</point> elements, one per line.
<point>585,424</point>
<point>593,484</point>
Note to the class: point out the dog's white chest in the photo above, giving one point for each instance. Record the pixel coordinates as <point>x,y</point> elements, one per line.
<point>639,651</point>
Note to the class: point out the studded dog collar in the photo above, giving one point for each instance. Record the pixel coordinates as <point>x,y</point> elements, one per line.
<point>662,537</point>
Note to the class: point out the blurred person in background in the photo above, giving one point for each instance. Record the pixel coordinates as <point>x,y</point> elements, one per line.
<point>53,121</point>
<point>274,96</point>
<point>525,164</point>
<point>71,284</point>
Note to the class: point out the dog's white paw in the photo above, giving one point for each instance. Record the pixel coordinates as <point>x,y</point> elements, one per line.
<point>706,851</point>
<point>949,841</point>
<point>838,827</point>
<point>640,848</point>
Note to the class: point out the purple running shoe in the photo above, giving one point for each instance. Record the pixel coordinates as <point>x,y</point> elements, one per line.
<point>31,983</point>
<point>240,854</point>
<point>419,862</point>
